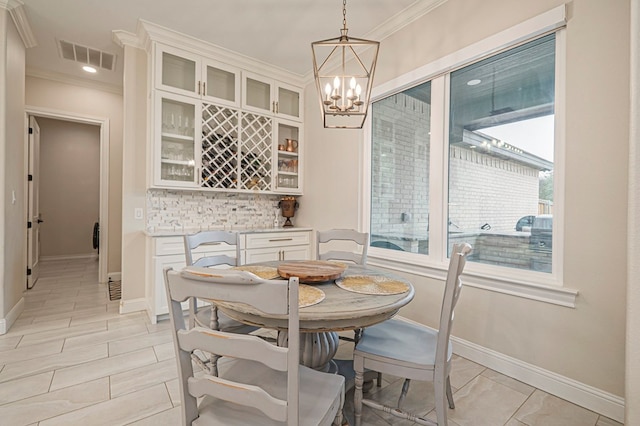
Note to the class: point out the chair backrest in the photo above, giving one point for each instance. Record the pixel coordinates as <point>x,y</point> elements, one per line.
<point>453,286</point>
<point>358,253</point>
<point>277,297</point>
<point>211,238</point>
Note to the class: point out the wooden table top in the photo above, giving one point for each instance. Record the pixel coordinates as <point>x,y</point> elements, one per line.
<point>340,310</point>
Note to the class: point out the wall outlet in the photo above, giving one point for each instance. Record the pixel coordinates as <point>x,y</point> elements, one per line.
<point>138,213</point>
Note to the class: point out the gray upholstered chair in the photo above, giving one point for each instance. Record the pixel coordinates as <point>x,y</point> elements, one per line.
<point>258,383</point>
<point>412,351</point>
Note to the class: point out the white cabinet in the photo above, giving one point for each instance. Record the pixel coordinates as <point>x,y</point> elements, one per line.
<point>188,74</point>
<point>211,132</point>
<point>255,247</point>
<point>271,97</point>
<point>169,252</point>
<point>288,157</point>
<point>274,246</point>
<point>176,140</point>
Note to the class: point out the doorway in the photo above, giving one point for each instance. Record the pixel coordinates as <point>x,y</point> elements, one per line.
<point>70,205</point>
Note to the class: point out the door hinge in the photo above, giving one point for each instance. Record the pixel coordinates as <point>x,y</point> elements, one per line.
<point>30,130</point>
<point>29,225</point>
<point>28,271</point>
<point>29,178</point>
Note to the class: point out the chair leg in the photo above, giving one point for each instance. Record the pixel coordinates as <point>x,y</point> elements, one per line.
<point>379,380</point>
<point>452,405</point>
<point>403,394</point>
<point>357,394</point>
<point>440,395</point>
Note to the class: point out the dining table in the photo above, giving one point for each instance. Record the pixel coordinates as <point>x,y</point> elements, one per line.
<point>352,299</point>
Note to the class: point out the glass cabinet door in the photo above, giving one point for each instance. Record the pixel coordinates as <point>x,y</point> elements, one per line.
<point>222,83</point>
<point>177,142</point>
<point>257,92</point>
<point>177,72</point>
<point>288,170</point>
<point>289,102</point>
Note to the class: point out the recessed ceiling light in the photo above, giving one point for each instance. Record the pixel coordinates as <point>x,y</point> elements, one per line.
<point>474,82</point>
<point>87,68</point>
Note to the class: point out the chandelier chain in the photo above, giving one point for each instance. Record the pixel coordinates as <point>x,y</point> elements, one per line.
<point>344,14</point>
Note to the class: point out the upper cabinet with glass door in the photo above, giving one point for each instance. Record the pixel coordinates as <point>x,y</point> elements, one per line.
<point>189,74</point>
<point>267,96</point>
<point>177,153</point>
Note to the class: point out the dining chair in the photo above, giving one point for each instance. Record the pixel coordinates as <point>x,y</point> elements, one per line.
<point>413,351</point>
<point>258,383</point>
<point>357,242</point>
<point>208,316</point>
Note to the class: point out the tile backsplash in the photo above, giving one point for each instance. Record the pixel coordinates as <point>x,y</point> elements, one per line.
<point>172,210</point>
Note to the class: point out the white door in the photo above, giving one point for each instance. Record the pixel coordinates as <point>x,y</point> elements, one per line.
<point>33,219</point>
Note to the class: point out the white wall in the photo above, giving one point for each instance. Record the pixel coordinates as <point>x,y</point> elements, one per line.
<point>13,219</point>
<point>632,397</point>
<point>90,102</point>
<point>585,344</point>
<point>69,187</point>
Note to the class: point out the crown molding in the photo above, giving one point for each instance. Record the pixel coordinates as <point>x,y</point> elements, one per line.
<point>125,38</point>
<point>74,81</point>
<point>16,10</point>
<point>157,33</point>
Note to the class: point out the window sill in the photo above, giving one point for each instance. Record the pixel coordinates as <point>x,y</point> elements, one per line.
<point>517,284</point>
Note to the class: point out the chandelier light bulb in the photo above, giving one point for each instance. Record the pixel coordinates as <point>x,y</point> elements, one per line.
<point>352,83</point>
<point>336,83</point>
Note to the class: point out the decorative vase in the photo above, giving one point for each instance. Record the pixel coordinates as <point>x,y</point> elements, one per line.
<point>288,205</point>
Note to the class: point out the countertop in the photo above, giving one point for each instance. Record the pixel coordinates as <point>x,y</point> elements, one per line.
<point>167,232</point>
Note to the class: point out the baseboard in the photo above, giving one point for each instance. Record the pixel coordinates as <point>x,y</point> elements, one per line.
<point>69,257</point>
<point>14,313</point>
<point>578,393</point>
<point>114,276</point>
<point>133,305</point>
<point>586,396</point>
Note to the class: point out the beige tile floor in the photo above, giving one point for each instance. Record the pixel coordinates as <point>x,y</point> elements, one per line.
<point>71,359</point>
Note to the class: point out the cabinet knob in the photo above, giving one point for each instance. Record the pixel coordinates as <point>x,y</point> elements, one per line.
<point>198,88</point>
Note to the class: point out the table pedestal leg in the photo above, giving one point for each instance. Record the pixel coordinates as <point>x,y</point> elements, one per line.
<point>316,349</point>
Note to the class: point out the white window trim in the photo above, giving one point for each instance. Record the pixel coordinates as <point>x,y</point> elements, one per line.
<point>522,283</point>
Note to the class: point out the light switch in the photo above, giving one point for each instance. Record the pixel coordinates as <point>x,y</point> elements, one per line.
<point>137,213</point>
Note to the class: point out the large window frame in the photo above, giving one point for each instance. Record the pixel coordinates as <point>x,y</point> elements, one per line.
<point>546,287</point>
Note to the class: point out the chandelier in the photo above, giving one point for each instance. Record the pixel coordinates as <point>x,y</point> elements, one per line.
<point>343,68</point>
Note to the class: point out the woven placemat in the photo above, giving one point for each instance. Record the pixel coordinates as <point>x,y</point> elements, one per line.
<point>309,295</point>
<point>264,272</point>
<point>372,284</point>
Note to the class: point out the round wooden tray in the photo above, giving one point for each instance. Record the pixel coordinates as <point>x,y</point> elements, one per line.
<point>311,271</point>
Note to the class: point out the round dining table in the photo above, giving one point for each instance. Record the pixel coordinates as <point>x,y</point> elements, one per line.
<point>340,310</point>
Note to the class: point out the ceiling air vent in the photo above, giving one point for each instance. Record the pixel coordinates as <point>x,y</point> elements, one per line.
<point>87,55</point>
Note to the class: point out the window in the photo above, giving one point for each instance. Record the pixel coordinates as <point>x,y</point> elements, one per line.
<point>501,144</point>
<point>400,170</point>
<point>466,150</point>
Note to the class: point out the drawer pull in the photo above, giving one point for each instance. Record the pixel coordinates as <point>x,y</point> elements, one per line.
<point>213,243</point>
<point>280,239</point>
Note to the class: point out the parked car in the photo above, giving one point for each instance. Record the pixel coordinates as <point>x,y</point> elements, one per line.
<point>524,223</point>
<point>542,231</point>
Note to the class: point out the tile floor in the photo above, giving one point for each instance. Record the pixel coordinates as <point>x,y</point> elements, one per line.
<point>71,359</point>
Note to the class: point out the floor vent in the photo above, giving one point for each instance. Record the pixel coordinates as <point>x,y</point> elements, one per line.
<point>115,290</point>
<point>87,55</point>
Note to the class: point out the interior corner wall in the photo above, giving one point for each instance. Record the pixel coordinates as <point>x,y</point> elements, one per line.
<point>585,344</point>
<point>134,177</point>
<point>85,101</point>
<point>13,219</point>
<point>632,374</point>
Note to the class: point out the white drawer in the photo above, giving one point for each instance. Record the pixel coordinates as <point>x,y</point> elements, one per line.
<point>276,239</point>
<point>165,246</point>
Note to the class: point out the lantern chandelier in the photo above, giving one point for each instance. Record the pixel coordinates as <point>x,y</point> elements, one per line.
<point>343,68</point>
